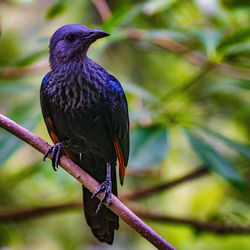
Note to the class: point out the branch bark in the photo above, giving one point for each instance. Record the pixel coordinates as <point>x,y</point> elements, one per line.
<point>192,57</point>
<point>22,214</point>
<point>215,227</point>
<point>103,9</point>
<point>144,192</point>
<point>139,34</point>
<point>90,183</point>
<point>13,72</point>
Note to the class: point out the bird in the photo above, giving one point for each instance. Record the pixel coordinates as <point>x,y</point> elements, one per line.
<point>86,114</point>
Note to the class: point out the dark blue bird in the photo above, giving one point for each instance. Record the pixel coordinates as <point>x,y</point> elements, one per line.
<point>86,114</point>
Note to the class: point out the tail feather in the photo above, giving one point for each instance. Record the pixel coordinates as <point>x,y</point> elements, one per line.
<point>102,223</point>
<point>105,221</point>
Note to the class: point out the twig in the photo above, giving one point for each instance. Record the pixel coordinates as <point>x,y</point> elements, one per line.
<point>165,43</point>
<point>103,9</point>
<point>193,57</point>
<point>176,91</point>
<point>22,214</point>
<point>144,192</point>
<point>13,72</point>
<point>90,183</point>
<point>219,228</point>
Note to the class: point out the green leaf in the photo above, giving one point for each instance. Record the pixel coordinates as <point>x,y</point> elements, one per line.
<point>10,48</point>
<point>239,36</point>
<point>164,33</point>
<point>242,84</point>
<point>123,15</point>
<point>23,174</point>
<point>138,115</point>
<point>239,147</point>
<point>149,146</point>
<point>29,59</point>
<point>229,85</point>
<point>236,49</point>
<point>210,39</point>
<point>57,8</point>
<point>116,37</point>
<point>214,160</point>
<point>9,144</point>
<point>138,91</point>
<point>155,6</point>
<point>13,88</point>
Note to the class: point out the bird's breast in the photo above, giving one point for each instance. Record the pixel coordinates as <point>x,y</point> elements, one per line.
<point>76,96</point>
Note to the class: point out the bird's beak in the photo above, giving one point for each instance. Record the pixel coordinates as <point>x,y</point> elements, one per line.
<point>96,34</point>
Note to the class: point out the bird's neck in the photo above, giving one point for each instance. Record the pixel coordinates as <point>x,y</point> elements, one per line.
<point>70,85</point>
<point>68,67</point>
<point>83,67</point>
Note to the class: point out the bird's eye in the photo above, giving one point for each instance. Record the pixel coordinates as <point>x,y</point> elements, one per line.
<point>71,38</point>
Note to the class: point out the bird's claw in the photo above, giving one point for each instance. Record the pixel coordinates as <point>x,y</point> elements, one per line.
<point>106,187</point>
<point>57,152</point>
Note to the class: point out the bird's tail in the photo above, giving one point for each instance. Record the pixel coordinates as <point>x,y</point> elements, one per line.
<point>105,221</point>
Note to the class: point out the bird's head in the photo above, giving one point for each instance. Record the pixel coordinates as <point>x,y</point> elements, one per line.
<point>72,41</point>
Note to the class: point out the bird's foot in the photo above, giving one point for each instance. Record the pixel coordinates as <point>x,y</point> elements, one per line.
<point>57,152</point>
<point>106,187</point>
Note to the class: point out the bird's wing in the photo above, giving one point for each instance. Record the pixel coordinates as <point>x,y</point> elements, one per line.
<point>50,124</point>
<point>47,113</point>
<point>120,125</point>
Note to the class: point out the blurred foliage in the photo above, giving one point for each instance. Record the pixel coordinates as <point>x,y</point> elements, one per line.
<point>182,115</point>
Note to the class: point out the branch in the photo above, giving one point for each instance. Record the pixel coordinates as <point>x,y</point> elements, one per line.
<point>13,72</point>
<point>139,34</point>
<point>176,91</point>
<point>219,228</point>
<point>22,214</point>
<point>103,9</point>
<point>144,192</point>
<point>90,183</point>
<point>193,57</point>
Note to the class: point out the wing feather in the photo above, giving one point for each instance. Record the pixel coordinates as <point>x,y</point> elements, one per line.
<point>47,113</point>
<point>120,126</point>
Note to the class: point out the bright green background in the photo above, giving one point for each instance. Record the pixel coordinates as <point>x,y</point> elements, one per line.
<point>182,115</point>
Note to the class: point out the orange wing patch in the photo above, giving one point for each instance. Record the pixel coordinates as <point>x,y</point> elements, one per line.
<point>51,132</point>
<point>122,167</point>
<point>54,138</point>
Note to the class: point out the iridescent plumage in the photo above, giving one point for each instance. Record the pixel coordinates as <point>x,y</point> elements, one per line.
<point>85,111</point>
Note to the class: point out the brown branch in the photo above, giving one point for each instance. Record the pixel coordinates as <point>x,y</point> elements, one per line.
<point>103,9</point>
<point>144,192</point>
<point>90,183</point>
<point>220,228</point>
<point>13,72</point>
<point>22,214</point>
<point>139,34</point>
<point>193,57</point>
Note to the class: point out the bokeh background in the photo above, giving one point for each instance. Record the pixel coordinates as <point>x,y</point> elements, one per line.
<point>185,67</point>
